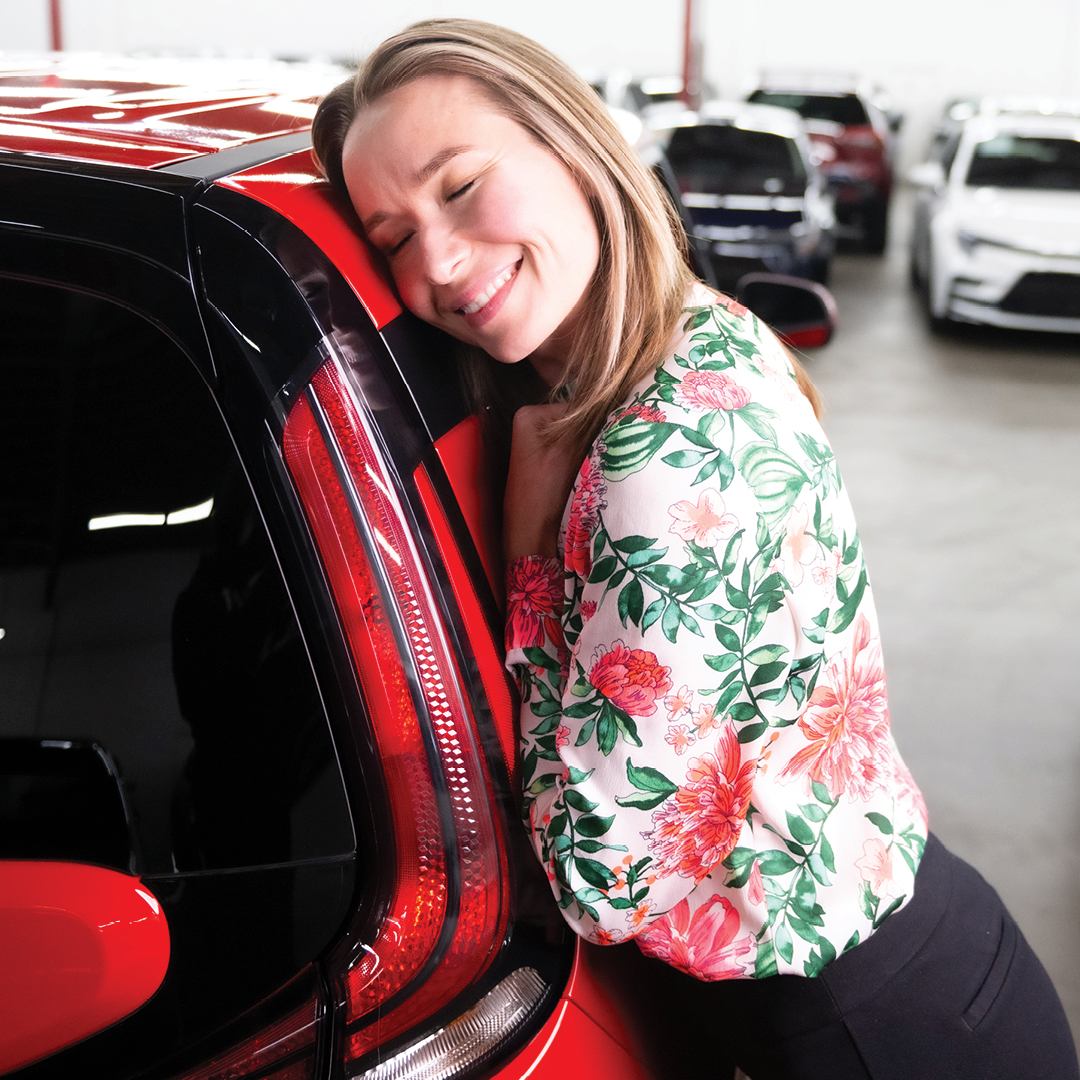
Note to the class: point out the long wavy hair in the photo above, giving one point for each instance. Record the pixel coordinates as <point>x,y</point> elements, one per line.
<point>637,294</point>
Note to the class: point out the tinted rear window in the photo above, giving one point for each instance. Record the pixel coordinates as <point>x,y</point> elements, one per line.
<point>730,160</point>
<point>1021,161</point>
<point>147,629</point>
<point>844,109</point>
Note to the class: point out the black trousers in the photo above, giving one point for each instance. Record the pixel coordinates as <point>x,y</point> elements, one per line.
<point>947,989</point>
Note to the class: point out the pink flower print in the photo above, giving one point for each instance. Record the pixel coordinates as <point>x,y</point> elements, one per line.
<point>699,824</point>
<point>711,390</point>
<point>640,411</point>
<point>908,794</point>
<point>798,550</point>
<point>732,305</point>
<point>823,576</point>
<point>876,867</point>
<point>846,723</point>
<point>636,917</point>
<point>584,513</point>
<point>534,599</point>
<point>588,609</point>
<point>678,703</point>
<point>755,887</point>
<point>606,937</point>
<point>680,737</point>
<point>705,944</point>
<point>631,679</point>
<point>562,737</point>
<point>774,367</point>
<point>706,720</point>
<point>703,522</point>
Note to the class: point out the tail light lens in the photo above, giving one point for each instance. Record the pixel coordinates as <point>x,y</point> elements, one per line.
<point>448,904</point>
<point>284,1051</point>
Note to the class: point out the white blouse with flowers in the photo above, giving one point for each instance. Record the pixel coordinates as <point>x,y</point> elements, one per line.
<point>707,760</point>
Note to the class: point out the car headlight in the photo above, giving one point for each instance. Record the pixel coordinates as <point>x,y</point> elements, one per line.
<point>968,241</point>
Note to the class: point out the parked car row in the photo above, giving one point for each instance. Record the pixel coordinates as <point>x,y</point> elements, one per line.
<point>855,145</point>
<point>773,182</point>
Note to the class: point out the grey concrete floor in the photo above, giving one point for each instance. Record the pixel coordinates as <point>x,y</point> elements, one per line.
<point>962,458</point>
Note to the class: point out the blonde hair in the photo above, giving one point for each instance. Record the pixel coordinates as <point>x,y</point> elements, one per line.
<point>635,299</point>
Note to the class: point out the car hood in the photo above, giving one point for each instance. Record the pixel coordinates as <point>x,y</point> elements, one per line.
<point>1042,221</point>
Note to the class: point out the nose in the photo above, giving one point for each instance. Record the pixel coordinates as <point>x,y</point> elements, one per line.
<point>444,252</point>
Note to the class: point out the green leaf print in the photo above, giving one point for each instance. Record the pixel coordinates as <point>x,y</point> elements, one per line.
<point>765,963</point>
<point>881,821</point>
<point>629,544</point>
<point>591,825</point>
<point>574,798</point>
<point>595,873</point>
<point>631,603</point>
<point>684,459</point>
<point>845,615</point>
<point>776,478</point>
<point>630,445</point>
<point>776,863</point>
<point>731,553</point>
<point>752,731</point>
<point>785,947</point>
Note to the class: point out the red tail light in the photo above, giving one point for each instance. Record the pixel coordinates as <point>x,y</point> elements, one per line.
<point>448,906</point>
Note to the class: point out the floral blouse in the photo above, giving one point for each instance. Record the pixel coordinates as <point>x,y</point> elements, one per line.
<point>707,760</point>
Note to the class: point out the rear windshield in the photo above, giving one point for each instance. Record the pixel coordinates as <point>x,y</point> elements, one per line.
<point>844,109</point>
<point>1023,161</point>
<point>150,650</point>
<point>729,160</point>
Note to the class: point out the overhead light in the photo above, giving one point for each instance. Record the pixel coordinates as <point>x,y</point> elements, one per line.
<point>177,517</point>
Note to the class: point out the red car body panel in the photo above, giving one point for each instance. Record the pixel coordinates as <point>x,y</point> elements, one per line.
<point>292,186</point>
<point>90,110</point>
<point>81,947</point>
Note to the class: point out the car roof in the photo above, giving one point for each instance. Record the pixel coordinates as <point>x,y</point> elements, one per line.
<point>986,125</point>
<point>150,112</point>
<point>812,82</point>
<point>747,115</point>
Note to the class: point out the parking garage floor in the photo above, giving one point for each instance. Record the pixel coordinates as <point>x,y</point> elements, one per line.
<point>962,458</point>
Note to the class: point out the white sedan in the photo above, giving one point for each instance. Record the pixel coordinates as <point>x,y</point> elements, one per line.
<point>996,237</point>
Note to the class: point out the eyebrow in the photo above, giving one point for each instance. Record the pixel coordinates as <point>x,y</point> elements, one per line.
<point>421,176</point>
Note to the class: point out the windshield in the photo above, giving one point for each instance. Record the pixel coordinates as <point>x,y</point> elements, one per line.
<point>726,160</point>
<point>844,109</point>
<point>1025,161</point>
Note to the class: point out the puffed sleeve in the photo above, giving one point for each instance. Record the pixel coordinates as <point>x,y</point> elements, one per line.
<point>643,722</point>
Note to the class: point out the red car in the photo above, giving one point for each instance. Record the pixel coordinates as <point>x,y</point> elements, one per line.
<point>257,747</point>
<point>854,142</point>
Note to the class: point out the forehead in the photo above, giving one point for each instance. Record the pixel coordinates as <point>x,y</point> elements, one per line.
<point>421,117</point>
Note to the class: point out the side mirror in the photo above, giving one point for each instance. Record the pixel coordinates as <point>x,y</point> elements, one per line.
<point>928,174</point>
<point>802,312</point>
<point>63,799</point>
<point>81,947</point>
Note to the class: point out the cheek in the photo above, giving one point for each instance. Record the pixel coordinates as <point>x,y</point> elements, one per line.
<point>410,286</point>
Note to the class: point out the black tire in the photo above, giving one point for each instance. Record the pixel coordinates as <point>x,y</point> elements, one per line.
<point>817,269</point>
<point>876,228</point>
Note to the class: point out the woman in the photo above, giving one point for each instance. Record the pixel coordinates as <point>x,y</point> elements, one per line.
<point>706,750</point>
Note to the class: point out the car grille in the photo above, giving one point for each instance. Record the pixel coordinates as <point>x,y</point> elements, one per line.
<point>1054,295</point>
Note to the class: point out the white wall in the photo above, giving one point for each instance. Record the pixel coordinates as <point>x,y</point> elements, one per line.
<point>922,51</point>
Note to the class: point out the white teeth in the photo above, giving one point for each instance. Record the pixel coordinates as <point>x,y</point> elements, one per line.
<point>482,298</point>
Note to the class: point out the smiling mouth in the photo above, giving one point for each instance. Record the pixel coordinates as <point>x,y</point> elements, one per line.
<point>482,299</point>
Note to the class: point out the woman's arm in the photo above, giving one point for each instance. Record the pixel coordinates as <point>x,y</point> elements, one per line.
<point>537,485</point>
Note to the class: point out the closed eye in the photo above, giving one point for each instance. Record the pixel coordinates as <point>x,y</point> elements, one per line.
<point>460,191</point>
<point>398,246</point>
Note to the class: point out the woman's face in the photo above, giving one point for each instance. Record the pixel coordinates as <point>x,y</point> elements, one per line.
<point>487,233</point>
